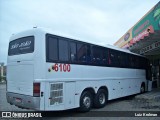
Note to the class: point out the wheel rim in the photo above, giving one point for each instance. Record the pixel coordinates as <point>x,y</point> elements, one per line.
<point>87,102</point>
<point>102,98</point>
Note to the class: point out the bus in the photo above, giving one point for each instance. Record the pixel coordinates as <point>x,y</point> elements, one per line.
<point>51,72</point>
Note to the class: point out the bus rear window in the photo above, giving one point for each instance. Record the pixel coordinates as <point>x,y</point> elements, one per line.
<point>21,46</point>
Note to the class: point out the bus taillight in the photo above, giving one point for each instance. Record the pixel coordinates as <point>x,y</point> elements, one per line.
<point>36,89</point>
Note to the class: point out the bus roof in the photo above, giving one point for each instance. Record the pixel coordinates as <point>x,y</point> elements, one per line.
<point>49,31</point>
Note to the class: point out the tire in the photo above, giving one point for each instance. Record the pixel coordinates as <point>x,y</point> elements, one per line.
<point>86,101</point>
<point>100,98</point>
<point>142,89</point>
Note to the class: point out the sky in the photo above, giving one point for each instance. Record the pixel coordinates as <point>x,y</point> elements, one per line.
<point>102,21</point>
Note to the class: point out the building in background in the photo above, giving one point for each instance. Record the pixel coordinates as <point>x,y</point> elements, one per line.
<point>144,38</point>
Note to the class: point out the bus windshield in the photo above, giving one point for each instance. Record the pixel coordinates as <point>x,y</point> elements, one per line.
<point>21,46</point>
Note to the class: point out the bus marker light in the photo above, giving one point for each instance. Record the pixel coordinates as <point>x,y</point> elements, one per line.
<point>49,70</point>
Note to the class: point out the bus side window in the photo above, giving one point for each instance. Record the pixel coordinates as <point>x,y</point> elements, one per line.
<point>104,57</point>
<point>63,50</point>
<point>137,62</point>
<point>111,56</point>
<point>99,56</point>
<point>124,60</point>
<point>88,55</point>
<point>114,61</point>
<point>73,52</point>
<point>52,49</point>
<point>144,63</point>
<point>131,61</point>
<point>127,60</point>
<point>96,59</point>
<point>81,53</point>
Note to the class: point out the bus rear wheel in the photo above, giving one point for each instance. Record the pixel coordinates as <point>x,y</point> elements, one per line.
<point>86,101</point>
<point>100,98</point>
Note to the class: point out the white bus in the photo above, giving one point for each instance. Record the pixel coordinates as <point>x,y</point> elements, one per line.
<point>51,72</point>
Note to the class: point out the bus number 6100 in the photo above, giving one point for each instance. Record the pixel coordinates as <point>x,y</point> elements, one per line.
<point>62,67</point>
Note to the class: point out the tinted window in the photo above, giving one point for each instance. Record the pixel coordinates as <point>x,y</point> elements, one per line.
<point>52,49</point>
<point>88,56</point>
<point>59,49</point>
<point>143,63</point>
<point>99,55</point>
<point>124,60</point>
<point>63,50</point>
<point>21,46</point>
<point>73,51</point>
<point>81,53</point>
<point>137,62</point>
<point>132,61</point>
<point>114,58</point>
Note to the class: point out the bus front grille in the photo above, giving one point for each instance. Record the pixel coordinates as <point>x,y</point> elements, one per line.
<point>56,93</point>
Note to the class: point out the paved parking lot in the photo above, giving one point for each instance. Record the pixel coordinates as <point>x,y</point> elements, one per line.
<point>123,104</point>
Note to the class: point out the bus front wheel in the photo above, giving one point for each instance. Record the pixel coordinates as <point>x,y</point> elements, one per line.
<point>86,101</point>
<point>100,98</point>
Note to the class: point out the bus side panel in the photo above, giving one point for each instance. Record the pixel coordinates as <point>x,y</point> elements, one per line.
<point>70,97</point>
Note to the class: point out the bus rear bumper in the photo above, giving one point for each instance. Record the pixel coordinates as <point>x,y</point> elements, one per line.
<point>23,101</point>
